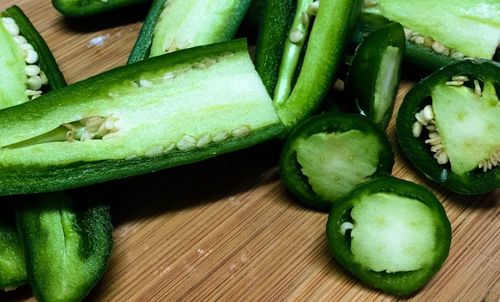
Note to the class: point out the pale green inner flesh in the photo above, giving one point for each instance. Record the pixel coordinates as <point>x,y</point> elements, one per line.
<point>467,123</point>
<point>188,23</point>
<point>336,162</point>
<point>392,233</point>
<point>185,100</point>
<point>387,80</point>
<point>12,67</point>
<point>469,26</point>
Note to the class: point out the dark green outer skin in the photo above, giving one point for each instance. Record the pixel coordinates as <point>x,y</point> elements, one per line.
<point>32,179</point>
<point>417,55</point>
<point>46,60</point>
<point>325,49</point>
<point>273,32</point>
<point>10,242</point>
<point>399,283</point>
<point>54,278</point>
<point>84,8</point>
<point>290,169</point>
<point>474,182</point>
<point>361,83</point>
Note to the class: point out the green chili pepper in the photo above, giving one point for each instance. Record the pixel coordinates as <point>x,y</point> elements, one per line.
<point>170,110</point>
<point>297,99</point>
<point>84,8</point>
<point>67,242</point>
<point>328,155</point>
<point>375,70</point>
<point>26,62</point>
<point>175,25</point>
<point>451,29</point>
<point>392,234</point>
<point>12,264</point>
<point>448,126</point>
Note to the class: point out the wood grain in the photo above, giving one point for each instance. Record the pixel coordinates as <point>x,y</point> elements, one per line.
<point>226,229</point>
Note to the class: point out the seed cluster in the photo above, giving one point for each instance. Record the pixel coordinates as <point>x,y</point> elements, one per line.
<point>490,163</point>
<point>430,43</point>
<point>35,77</point>
<point>95,127</point>
<point>189,142</point>
<point>425,118</point>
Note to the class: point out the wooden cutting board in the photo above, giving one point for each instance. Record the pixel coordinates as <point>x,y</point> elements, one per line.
<point>226,229</point>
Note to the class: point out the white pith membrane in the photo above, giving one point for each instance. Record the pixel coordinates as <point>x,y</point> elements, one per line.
<point>426,118</point>
<point>35,77</point>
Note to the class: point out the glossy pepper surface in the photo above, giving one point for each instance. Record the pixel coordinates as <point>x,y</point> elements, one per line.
<point>448,126</point>
<point>84,8</point>
<point>392,234</point>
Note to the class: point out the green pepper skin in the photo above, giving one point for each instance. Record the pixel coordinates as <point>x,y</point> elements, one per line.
<point>416,55</point>
<point>331,122</point>
<point>399,283</point>
<point>67,244</point>
<point>12,265</point>
<point>85,8</point>
<point>273,31</point>
<point>369,71</point>
<point>43,179</point>
<point>46,59</point>
<point>415,149</point>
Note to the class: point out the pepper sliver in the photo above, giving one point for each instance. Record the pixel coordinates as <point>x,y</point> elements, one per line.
<point>12,265</point>
<point>180,24</point>
<point>217,104</point>
<point>84,8</point>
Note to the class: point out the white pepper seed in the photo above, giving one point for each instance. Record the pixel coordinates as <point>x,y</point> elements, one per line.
<point>296,36</point>
<point>220,136</point>
<point>187,142</point>
<point>312,9</point>
<point>145,83</point>
<point>203,141</point>
<point>477,88</point>
<point>344,227</point>
<point>427,113</point>
<point>32,70</point>
<point>438,47</point>
<point>31,57</point>
<point>20,39</point>
<point>11,28</point>
<point>34,83</point>
<point>408,33</point>
<point>45,81</point>
<point>454,83</point>
<point>241,132</point>
<point>460,78</point>
<point>456,55</point>
<point>442,158</point>
<point>416,129</point>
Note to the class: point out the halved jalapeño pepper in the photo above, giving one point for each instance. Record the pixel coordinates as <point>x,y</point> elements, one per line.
<point>83,8</point>
<point>181,24</point>
<point>67,241</point>
<point>375,70</point>
<point>170,110</point>
<point>28,67</point>
<point>392,234</point>
<point>312,49</point>
<point>452,30</point>
<point>448,126</point>
<point>330,154</point>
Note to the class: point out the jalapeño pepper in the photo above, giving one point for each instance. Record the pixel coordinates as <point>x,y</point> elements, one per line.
<point>375,70</point>
<point>133,120</point>
<point>448,126</point>
<point>449,31</point>
<point>392,234</point>
<point>83,8</point>
<point>12,265</point>
<point>175,25</point>
<point>328,155</point>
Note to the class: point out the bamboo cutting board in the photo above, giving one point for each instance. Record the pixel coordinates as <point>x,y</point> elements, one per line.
<point>226,229</point>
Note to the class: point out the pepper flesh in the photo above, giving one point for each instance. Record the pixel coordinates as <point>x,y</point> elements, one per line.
<point>392,234</point>
<point>12,264</point>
